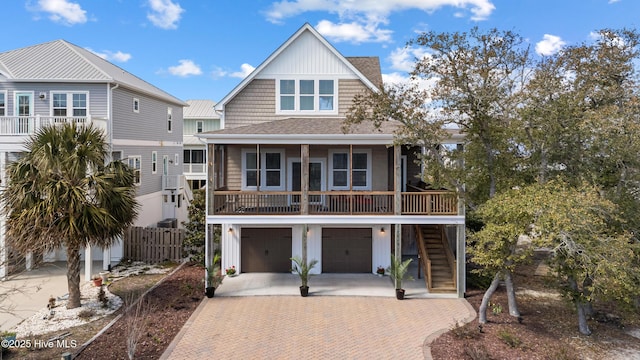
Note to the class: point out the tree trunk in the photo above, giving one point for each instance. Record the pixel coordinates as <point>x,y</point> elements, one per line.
<point>582,307</point>
<point>482,311</point>
<point>511,295</point>
<point>583,326</point>
<point>73,276</point>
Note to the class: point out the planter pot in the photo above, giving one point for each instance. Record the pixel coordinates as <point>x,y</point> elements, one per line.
<point>210,291</point>
<point>400,294</point>
<point>97,282</point>
<point>304,291</point>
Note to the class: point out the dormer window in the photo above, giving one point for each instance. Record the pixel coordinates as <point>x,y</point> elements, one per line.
<point>306,96</point>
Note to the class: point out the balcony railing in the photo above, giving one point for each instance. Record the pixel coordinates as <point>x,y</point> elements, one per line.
<point>173,182</point>
<point>333,203</point>
<point>28,125</point>
<point>193,169</point>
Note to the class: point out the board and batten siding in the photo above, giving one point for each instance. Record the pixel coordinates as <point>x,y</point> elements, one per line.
<point>149,123</point>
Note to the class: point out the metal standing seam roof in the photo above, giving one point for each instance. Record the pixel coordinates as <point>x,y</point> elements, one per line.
<point>200,109</point>
<point>61,61</point>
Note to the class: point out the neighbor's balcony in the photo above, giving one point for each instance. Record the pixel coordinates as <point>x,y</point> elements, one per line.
<point>334,203</point>
<point>173,182</point>
<point>194,168</point>
<point>28,125</point>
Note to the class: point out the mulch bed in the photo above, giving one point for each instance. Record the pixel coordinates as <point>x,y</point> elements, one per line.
<point>171,304</point>
<point>548,330</point>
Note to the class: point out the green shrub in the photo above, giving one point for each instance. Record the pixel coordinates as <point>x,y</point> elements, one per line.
<point>509,339</point>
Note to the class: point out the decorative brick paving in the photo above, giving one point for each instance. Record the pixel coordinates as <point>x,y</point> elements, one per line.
<point>316,327</point>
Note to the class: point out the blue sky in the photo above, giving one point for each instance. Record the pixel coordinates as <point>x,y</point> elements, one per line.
<point>202,49</point>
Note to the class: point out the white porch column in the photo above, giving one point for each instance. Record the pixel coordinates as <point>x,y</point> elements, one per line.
<point>28,261</point>
<point>106,258</point>
<point>88,266</point>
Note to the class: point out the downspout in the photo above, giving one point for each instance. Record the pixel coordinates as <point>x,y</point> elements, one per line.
<point>110,121</point>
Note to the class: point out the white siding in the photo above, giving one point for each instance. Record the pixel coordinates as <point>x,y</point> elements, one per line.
<point>307,56</point>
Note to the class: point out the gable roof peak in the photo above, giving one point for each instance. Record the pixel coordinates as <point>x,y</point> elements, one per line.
<point>306,27</point>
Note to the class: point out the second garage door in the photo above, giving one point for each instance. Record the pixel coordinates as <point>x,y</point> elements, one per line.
<point>346,250</point>
<point>266,250</point>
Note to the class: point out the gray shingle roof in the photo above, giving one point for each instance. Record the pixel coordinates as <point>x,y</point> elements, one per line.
<point>369,66</point>
<point>305,126</point>
<point>61,61</point>
<point>200,109</point>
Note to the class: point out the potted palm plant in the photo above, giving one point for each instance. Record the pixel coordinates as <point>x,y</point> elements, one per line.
<point>398,272</point>
<point>214,277</point>
<point>302,268</point>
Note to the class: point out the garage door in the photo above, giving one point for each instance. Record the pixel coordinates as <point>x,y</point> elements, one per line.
<point>346,250</point>
<point>266,250</point>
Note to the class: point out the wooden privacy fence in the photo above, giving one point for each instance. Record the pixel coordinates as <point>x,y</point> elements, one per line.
<point>153,245</point>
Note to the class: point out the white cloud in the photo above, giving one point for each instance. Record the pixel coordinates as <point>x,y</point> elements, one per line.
<point>117,56</point>
<point>404,59</point>
<point>376,11</point>
<point>364,20</point>
<point>549,45</point>
<point>164,13</point>
<point>186,68</point>
<point>245,69</point>
<point>63,11</point>
<point>353,32</point>
<point>613,1</point>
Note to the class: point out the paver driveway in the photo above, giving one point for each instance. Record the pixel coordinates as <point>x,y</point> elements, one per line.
<point>316,327</point>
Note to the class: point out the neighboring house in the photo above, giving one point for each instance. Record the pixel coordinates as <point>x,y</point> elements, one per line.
<point>199,116</point>
<point>283,178</point>
<point>58,82</point>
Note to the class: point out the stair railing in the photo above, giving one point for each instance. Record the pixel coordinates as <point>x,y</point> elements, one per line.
<point>424,255</point>
<point>447,250</point>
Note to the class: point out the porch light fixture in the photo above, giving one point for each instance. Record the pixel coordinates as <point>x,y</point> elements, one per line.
<point>382,230</point>
<point>230,230</point>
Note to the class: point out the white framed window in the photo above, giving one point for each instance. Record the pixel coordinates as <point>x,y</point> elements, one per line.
<point>135,163</point>
<point>199,126</point>
<point>3,103</point>
<point>176,158</point>
<point>136,105</point>
<point>345,173</point>
<point>154,162</point>
<point>65,104</point>
<point>269,171</point>
<point>169,119</point>
<point>310,95</point>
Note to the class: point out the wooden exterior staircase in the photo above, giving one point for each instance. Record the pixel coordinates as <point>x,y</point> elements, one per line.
<point>436,258</point>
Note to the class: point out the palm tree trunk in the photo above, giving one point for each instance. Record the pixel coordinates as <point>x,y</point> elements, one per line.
<point>73,276</point>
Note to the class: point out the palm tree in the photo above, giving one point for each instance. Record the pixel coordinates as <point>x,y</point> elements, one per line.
<point>61,193</point>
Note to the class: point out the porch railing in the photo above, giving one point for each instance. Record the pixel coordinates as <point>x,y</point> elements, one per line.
<point>28,125</point>
<point>333,203</point>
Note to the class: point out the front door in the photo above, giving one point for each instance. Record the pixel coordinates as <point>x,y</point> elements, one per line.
<point>316,179</point>
<point>23,109</point>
